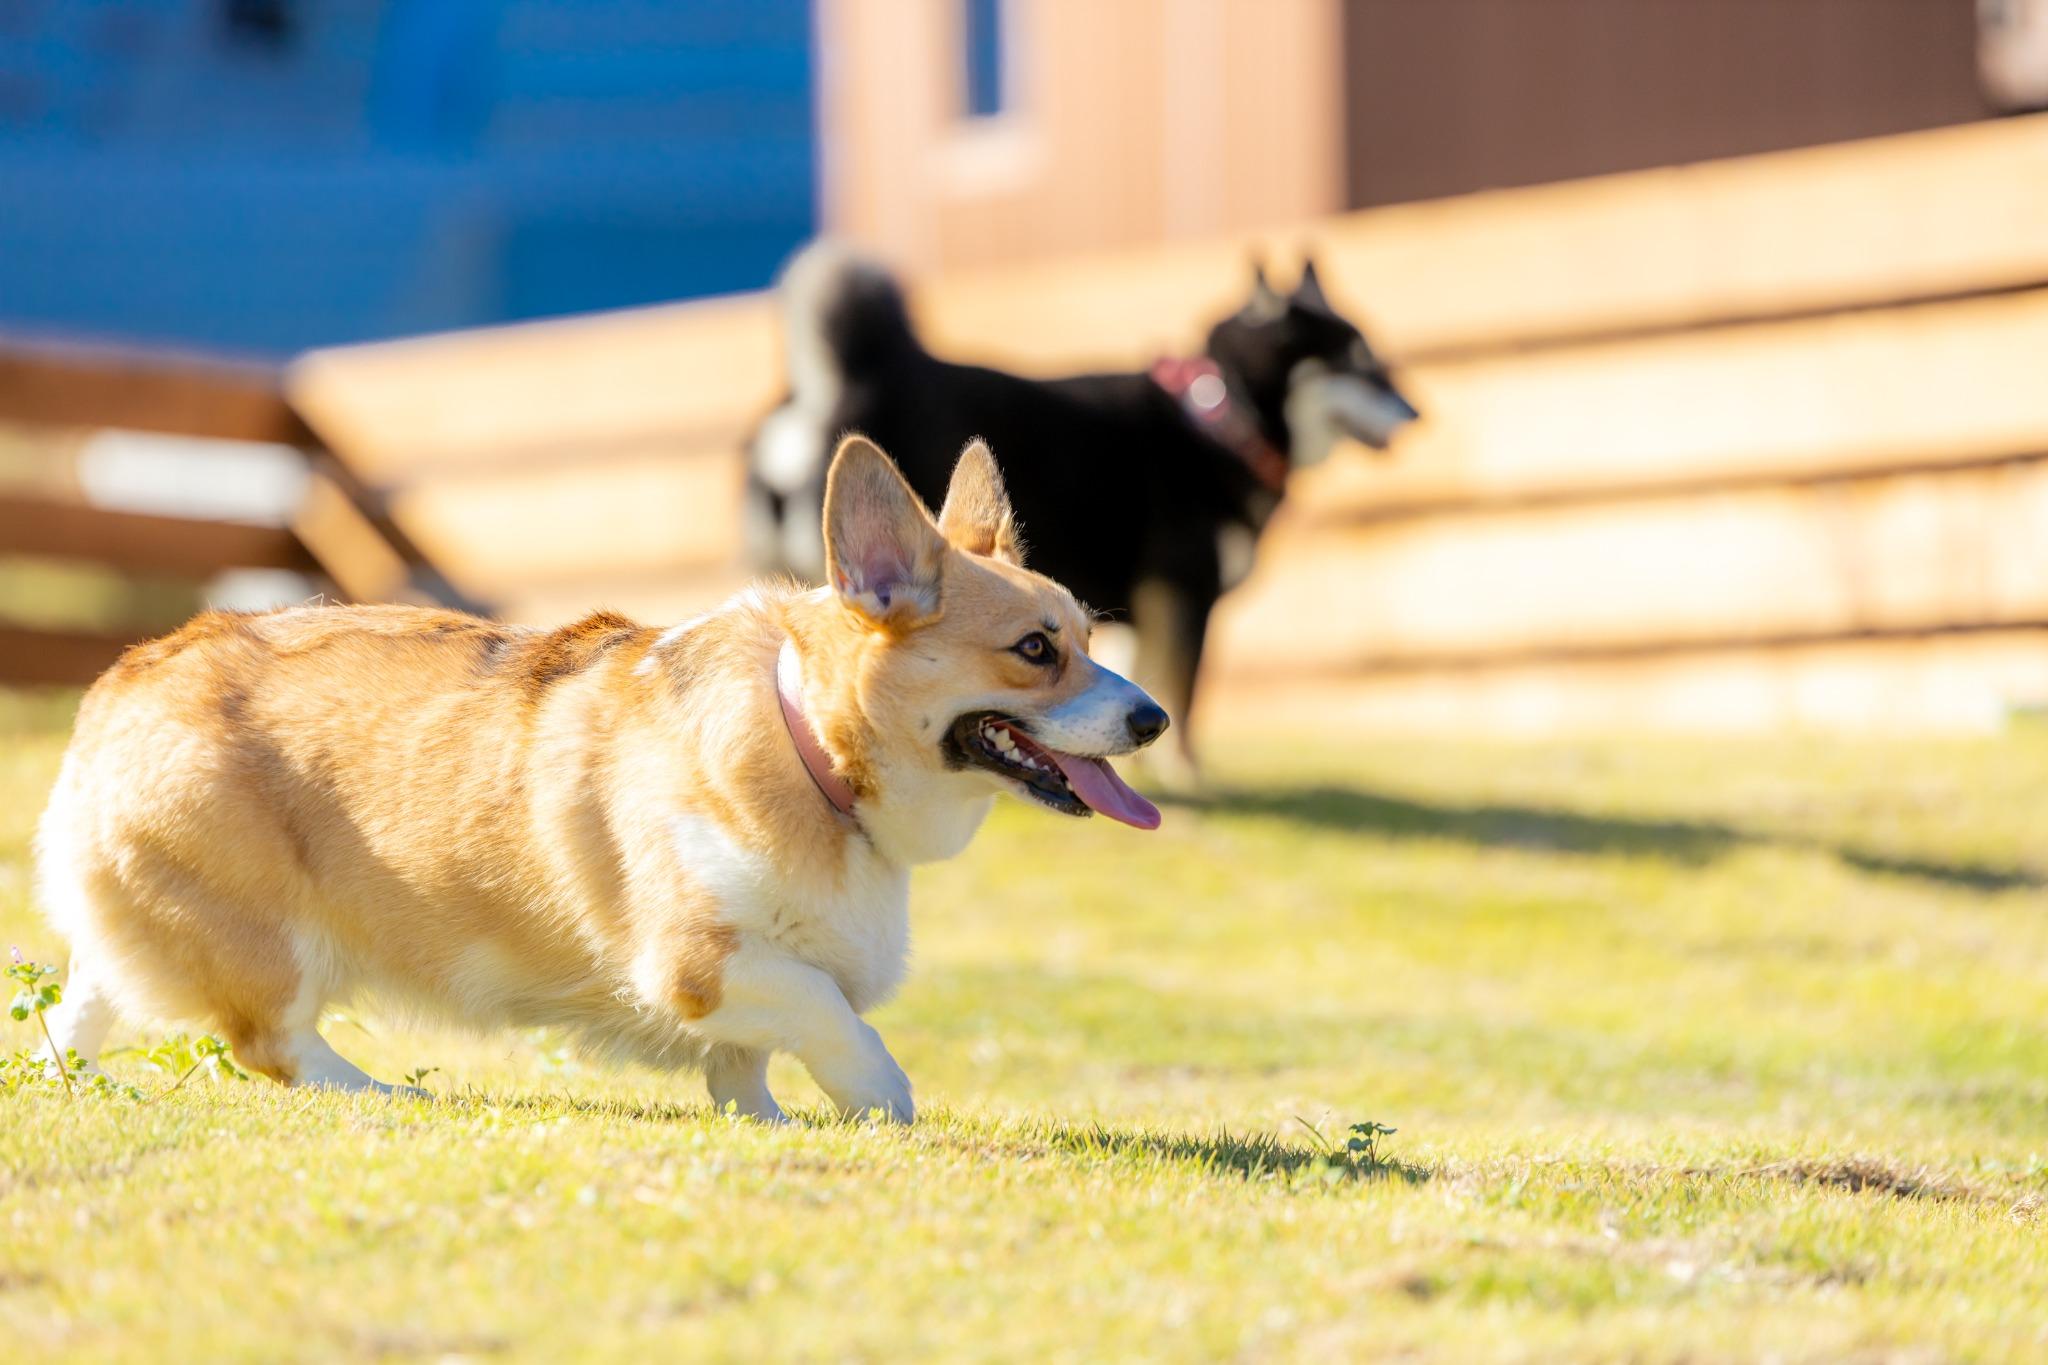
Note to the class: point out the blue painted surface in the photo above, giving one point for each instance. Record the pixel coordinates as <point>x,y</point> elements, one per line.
<point>376,169</point>
<point>982,29</point>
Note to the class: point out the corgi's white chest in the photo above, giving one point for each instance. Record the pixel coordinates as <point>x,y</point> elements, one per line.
<point>856,930</point>
<point>860,933</point>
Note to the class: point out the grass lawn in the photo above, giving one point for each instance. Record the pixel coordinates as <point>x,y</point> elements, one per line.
<point>1715,1050</point>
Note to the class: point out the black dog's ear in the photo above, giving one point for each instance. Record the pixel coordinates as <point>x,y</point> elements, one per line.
<point>1309,292</point>
<point>1265,303</point>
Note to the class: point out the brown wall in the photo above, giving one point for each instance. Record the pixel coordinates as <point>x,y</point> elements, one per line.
<point>1133,121</point>
<point>1446,96</point>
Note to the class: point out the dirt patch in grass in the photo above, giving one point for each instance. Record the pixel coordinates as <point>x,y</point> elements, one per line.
<point>400,1343</point>
<point>1864,1174</point>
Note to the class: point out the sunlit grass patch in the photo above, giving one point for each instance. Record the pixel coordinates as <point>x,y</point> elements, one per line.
<point>1692,1051</point>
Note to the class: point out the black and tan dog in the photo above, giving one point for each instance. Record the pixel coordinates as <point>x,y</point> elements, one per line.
<point>1144,493</point>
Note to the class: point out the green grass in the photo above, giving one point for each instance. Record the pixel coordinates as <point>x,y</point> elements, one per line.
<point>1696,1051</point>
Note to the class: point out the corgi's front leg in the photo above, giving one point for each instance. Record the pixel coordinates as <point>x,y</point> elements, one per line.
<point>771,1001</point>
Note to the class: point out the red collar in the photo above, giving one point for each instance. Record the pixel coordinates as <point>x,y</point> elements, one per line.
<point>1199,385</point>
<point>789,689</point>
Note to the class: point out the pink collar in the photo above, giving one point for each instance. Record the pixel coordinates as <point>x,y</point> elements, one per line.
<point>789,688</point>
<point>1198,383</point>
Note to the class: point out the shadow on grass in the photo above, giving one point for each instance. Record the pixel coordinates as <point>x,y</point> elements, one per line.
<point>1966,876</point>
<point>1248,1156</point>
<point>1687,842</point>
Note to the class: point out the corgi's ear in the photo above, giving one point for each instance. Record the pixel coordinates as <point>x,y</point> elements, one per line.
<point>881,547</point>
<point>977,516</point>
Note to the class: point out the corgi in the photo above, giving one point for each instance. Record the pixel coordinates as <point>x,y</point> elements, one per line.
<point>685,847</point>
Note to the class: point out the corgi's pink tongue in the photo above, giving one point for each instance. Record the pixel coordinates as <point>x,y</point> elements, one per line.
<point>1102,791</point>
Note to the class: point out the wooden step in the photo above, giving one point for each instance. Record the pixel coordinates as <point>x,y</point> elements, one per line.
<point>141,543</point>
<point>659,598</point>
<point>1950,383</point>
<point>543,393</point>
<point>648,509</point>
<point>1896,553</point>
<point>1956,682</point>
<point>1907,388</point>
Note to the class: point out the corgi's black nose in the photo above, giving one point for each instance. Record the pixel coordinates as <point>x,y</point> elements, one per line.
<point>1147,722</point>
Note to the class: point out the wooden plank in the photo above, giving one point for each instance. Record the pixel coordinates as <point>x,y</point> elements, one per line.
<point>352,531</point>
<point>67,384</point>
<point>1951,383</point>
<point>138,542</point>
<point>1967,683</point>
<point>1948,212</point>
<point>654,598</point>
<point>652,510</point>
<point>545,392</point>
<point>1899,553</point>
<point>56,658</point>
<point>360,560</point>
<point>59,383</point>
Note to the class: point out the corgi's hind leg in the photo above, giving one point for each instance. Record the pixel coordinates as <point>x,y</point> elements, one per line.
<point>738,1076</point>
<point>296,1054</point>
<point>267,997</point>
<point>176,935</point>
<point>83,1018</point>
<point>288,1046</point>
<point>316,1062</point>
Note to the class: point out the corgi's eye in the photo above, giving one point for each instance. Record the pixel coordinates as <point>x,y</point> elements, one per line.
<point>1034,648</point>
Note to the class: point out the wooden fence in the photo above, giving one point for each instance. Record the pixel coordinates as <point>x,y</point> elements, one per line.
<point>1738,444</point>
<point>339,535</point>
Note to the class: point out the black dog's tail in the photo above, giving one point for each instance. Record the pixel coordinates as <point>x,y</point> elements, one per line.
<point>843,320</point>
<point>842,317</point>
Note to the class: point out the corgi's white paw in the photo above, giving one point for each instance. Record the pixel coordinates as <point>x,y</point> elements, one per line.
<point>891,1102</point>
<point>738,1081</point>
<point>879,1086</point>
<point>762,1110</point>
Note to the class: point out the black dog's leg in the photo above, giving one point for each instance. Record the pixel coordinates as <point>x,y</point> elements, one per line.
<point>1171,621</point>
<point>780,532</point>
<point>761,517</point>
